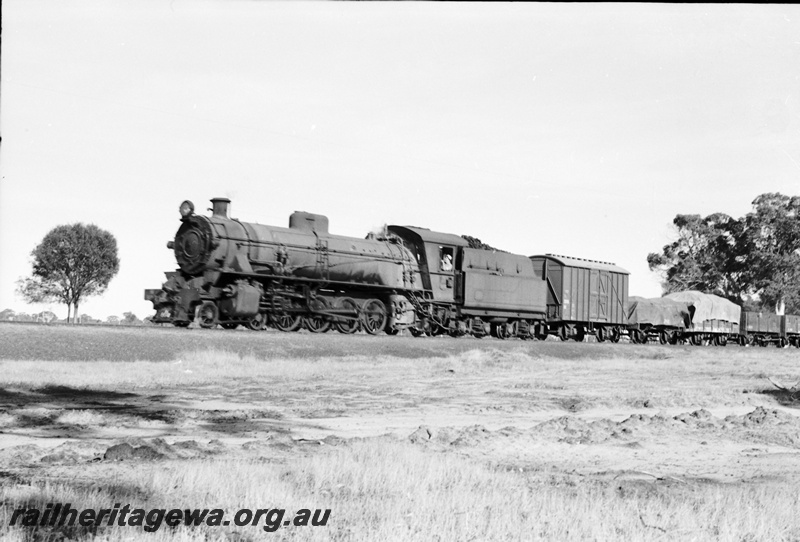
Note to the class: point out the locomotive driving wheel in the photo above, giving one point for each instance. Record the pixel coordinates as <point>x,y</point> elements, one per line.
<point>286,322</point>
<point>347,324</point>
<point>317,323</point>
<point>207,314</point>
<point>373,316</point>
<point>283,320</point>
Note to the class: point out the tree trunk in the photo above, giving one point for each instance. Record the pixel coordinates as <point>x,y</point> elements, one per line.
<point>69,311</point>
<point>76,313</point>
<point>780,307</point>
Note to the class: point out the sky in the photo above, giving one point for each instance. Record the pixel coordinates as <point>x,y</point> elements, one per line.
<point>573,129</point>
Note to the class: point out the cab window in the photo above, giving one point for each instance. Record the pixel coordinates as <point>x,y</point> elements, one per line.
<point>445,259</point>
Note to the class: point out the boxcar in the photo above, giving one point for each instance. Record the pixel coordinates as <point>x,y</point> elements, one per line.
<point>584,296</point>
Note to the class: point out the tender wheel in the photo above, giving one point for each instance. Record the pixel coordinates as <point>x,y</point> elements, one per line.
<point>207,315</point>
<point>503,331</point>
<point>421,329</point>
<point>257,322</point>
<point>318,323</point>
<point>373,316</point>
<point>347,324</point>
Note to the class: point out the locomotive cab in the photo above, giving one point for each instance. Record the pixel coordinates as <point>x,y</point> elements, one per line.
<point>437,254</point>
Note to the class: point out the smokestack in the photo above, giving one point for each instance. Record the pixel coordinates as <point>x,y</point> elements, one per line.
<point>219,207</point>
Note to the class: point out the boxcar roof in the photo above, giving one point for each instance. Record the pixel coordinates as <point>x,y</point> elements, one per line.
<point>429,236</point>
<point>580,262</point>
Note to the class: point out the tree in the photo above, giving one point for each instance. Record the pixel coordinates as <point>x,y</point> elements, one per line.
<point>130,319</point>
<point>756,257</point>
<point>771,250</point>
<point>474,242</point>
<point>71,263</point>
<point>705,257</point>
<point>113,320</point>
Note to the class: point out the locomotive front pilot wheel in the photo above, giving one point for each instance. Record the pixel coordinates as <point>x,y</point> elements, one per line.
<point>256,323</point>
<point>207,314</point>
<point>373,316</point>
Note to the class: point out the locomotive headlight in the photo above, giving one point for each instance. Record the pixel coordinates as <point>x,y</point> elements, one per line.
<point>187,208</point>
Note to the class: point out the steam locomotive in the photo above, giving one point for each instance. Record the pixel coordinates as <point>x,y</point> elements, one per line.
<point>232,273</point>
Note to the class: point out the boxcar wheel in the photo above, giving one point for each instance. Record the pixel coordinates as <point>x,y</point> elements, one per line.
<point>601,334</point>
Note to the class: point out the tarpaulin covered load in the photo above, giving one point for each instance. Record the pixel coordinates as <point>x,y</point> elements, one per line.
<point>709,307</point>
<point>658,311</point>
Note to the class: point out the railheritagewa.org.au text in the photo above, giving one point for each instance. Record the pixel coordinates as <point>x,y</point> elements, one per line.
<point>151,520</point>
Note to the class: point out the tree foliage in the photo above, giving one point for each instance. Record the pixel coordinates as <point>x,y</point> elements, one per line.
<point>71,263</point>
<point>474,242</point>
<point>772,250</point>
<point>756,255</point>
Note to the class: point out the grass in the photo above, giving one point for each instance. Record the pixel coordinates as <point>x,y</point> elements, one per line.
<point>385,490</point>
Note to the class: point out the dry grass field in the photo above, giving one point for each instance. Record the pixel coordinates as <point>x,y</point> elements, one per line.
<point>401,438</point>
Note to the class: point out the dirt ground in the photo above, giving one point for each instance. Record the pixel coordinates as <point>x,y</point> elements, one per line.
<point>600,411</point>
